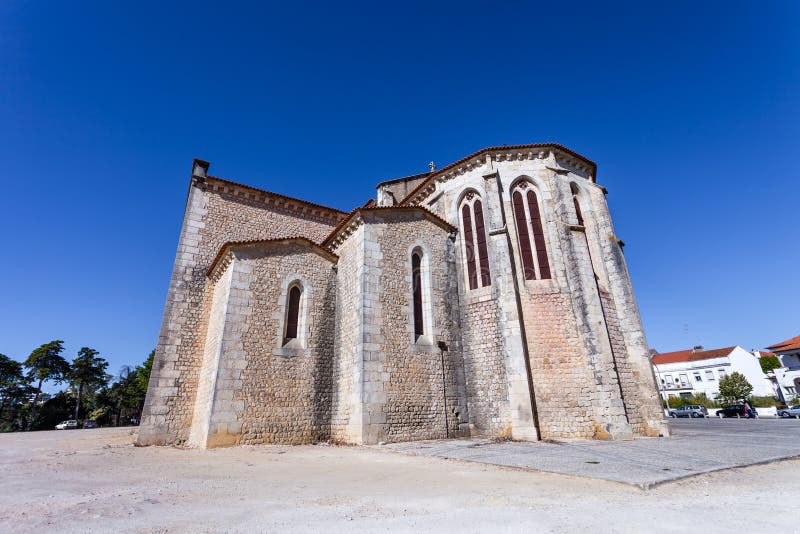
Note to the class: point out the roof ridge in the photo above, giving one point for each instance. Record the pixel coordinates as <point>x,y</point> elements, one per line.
<point>279,195</point>
<point>327,241</point>
<point>438,172</point>
<point>245,242</point>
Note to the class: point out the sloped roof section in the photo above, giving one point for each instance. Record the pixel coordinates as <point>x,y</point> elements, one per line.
<point>356,217</point>
<point>219,260</point>
<point>690,355</point>
<point>249,193</point>
<point>784,346</point>
<point>591,165</point>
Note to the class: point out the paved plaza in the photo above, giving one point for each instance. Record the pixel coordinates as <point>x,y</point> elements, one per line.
<point>696,446</point>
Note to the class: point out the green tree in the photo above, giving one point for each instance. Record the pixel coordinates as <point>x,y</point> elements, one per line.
<point>734,387</point>
<point>143,374</point>
<point>46,363</point>
<point>88,371</point>
<point>14,386</point>
<point>768,363</point>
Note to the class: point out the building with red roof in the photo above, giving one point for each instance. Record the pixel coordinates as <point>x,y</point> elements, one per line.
<point>695,371</point>
<point>787,377</point>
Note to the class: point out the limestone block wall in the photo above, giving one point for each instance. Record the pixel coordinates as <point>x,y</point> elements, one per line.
<point>216,212</point>
<point>414,389</point>
<point>285,391</point>
<point>577,283</point>
<point>630,345</point>
<point>393,191</point>
<point>571,351</point>
<point>346,368</point>
<point>387,385</point>
<point>262,389</point>
<point>208,372</point>
<point>485,366</point>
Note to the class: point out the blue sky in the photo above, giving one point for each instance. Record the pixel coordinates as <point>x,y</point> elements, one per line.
<point>690,110</point>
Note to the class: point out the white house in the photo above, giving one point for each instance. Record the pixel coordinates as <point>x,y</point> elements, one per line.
<point>787,378</point>
<point>694,371</point>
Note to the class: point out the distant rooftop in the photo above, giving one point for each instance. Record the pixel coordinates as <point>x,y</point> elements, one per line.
<point>691,355</point>
<point>784,346</point>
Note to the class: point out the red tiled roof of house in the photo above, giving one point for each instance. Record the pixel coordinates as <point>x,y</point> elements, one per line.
<point>763,353</point>
<point>789,344</point>
<point>690,356</point>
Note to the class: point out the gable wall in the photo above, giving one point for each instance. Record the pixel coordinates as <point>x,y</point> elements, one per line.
<point>210,220</point>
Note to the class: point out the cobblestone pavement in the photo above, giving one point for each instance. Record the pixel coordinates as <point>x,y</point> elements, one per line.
<point>696,446</point>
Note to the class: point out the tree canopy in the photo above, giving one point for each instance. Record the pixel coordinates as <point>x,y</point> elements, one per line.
<point>46,363</point>
<point>88,371</point>
<point>734,387</point>
<point>91,391</point>
<point>768,363</point>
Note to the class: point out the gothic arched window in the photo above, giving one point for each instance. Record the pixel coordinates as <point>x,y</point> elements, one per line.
<point>292,313</point>
<point>416,281</point>
<point>576,203</point>
<point>528,218</point>
<point>476,256</point>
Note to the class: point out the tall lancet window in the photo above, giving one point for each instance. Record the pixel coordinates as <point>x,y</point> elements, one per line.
<point>416,281</point>
<point>530,229</point>
<point>292,314</point>
<point>473,231</point>
<point>576,203</point>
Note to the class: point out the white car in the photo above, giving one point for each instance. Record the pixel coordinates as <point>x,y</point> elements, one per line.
<point>66,425</point>
<point>791,411</point>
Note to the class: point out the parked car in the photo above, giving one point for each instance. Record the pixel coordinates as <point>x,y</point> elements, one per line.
<point>736,410</point>
<point>89,424</point>
<point>689,410</point>
<point>791,411</point>
<point>66,425</point>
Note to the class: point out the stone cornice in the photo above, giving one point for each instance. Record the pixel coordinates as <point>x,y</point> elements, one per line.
<point>274,200</point>
<point>560,155</point>
<point>356,218</point>
<point>295,206</point>
<point>226,252</point>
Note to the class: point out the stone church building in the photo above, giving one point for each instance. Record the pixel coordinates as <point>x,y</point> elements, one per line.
<point>487,298</point>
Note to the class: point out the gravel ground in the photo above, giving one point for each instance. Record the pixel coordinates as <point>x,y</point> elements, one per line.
<point>96,481</point>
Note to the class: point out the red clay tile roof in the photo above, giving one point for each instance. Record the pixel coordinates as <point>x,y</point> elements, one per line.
<point>689,356</point>
<point>278,240</point>
<point>789,344</point>
<point>278,195</point>
<point>437,172</point>
<point>428,213</point>
<point>763,353</point>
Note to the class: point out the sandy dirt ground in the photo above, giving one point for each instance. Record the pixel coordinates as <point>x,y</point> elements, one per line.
<point>97,481</point>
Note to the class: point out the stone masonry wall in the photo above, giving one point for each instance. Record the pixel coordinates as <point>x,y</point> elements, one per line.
<point>346,365</point>
<point>211,219</point>
<point>420,383</point>
<point>564,386</point>
<point>485,367</point>
<point>284,393</point>
<point>213,347</point>
<point>642,402</point>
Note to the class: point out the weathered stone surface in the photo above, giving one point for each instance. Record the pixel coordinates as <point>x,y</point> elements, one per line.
<point>528,359</point>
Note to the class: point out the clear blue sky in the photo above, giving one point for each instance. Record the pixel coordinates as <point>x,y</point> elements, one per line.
<point>691,110</point>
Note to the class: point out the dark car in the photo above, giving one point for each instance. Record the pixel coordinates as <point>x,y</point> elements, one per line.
<point>90,424</point>
<point>736,410</point>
